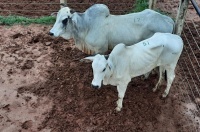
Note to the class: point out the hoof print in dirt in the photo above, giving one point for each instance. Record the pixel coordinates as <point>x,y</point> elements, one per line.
<point>5,107</point>
<point>35,39</point>
<point>27,124</point>
<point>15,36</point>
<point>68,48</point>
<point>28,65</point>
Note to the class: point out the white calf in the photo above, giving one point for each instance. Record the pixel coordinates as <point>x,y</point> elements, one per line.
<point>125,62</point>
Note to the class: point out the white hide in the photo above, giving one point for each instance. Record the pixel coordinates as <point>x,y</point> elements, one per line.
<point>58,28</point>
<point>125,62</point>
<point>96,30</point>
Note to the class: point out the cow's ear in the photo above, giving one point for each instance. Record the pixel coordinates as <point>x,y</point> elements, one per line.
<point>90,58</point>
<point>63,5</point>
<point>54,14</point>
<point>110,65</point>
<point>74,20</point>
<point>72,11</point>
<point>106,57</point>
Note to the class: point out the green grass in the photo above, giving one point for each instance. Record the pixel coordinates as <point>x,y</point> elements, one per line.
<point>11,20</point>
<point>140,5</point>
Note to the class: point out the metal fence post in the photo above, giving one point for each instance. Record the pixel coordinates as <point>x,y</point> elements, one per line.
<point>152,4</point>
<point>196,7</point>
<point>63,1</point>
<point>180,18</point>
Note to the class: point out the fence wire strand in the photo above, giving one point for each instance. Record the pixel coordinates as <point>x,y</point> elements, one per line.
<point>190,58</point>
<point>114,10</point>
<point>185,97</point>
<point>44,10</point>
<point>188,94</point>
<point>53,3</point>
<point>192,34</point>
<point>188,83</point>
<point>190,67</point>
<point>196,28</point>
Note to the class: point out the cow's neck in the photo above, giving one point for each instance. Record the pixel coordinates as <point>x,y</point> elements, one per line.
<point>79,32</point>
<point>108,76</point>
<point>80,27</point>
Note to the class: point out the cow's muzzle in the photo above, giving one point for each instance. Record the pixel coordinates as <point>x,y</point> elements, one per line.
<point>50,33</point>
<point>95,86</point>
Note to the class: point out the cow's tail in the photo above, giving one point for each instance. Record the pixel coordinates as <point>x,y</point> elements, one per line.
<point>165,75</point>
<point>174,29</point>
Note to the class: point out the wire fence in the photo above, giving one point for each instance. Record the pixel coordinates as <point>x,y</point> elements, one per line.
<point>190,68</point>
<point>46,8</point>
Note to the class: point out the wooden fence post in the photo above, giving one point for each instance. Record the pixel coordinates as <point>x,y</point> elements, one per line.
<point>180,18</point>
<point>63,1</point>
<point>152,4</point>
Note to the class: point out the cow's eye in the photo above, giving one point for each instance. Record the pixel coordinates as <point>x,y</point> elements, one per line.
<point>64,22</point>
<point>104,70</point>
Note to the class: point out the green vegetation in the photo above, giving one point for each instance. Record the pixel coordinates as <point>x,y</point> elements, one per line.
<point>11,20</point>
<point>140,5</point>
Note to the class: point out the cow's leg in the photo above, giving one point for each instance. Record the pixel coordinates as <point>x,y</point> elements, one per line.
<point>170,78</point>
<point>145,76</point>
<point>160,78</point>
<point>121,91</point>
<point>154,71</point>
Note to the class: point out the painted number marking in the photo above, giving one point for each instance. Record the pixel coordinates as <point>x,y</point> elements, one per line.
<point>145,43</point>
<point>136,20</point>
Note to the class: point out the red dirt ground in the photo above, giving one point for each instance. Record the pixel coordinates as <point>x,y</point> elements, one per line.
<point>45,88</point>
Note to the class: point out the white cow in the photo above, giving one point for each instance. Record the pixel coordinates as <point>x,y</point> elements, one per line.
<point>97,31</point>
<point>125,62</point>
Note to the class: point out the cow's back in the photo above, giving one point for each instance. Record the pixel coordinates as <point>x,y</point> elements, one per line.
<point>135,27</point>
<point>97,11</point>
<point>104,31</point>
<point>154,22</point>
<point>165,47</point>
<point>160,49</point>
<point>158,22</point>
<point>173,49</point>
<point>133,60</point>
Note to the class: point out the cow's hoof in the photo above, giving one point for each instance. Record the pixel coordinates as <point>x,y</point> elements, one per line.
<point>154,89</point>
<point>143,78</point>
<point>118,109</point>
<point>164,95</point>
